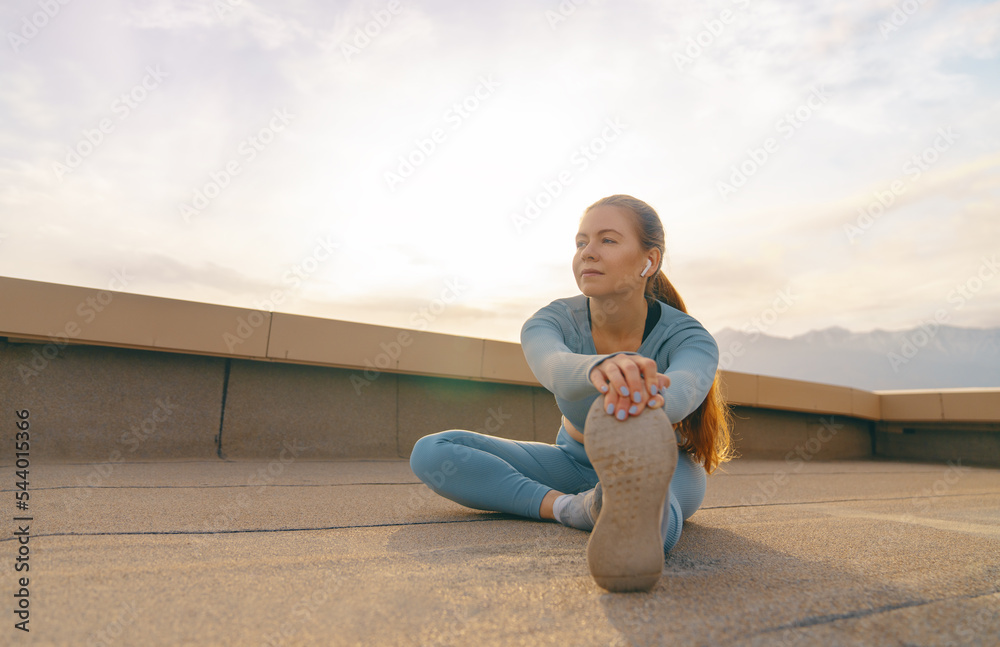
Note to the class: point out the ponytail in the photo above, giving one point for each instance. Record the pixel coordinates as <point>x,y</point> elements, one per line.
<point>707,431</point>
<point>660,288</point>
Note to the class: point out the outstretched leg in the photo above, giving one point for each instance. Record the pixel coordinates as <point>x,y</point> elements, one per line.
<point>687,490</point>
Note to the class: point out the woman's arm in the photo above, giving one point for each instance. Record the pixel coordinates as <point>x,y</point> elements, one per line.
<point>691,367</point>
<point>690,357</point>
<point>559,370</point>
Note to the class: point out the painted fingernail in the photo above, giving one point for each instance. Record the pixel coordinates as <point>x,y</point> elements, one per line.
<point>621,414</point>
<point>611,408</point>
<point>624,391</point>
<point>633,410</point>
<point>637,397</point>
<point>604,388</point>
<point>651,403</point>
<point>652,389</point>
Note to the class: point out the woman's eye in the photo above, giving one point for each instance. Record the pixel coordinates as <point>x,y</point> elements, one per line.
<point>609,240</point>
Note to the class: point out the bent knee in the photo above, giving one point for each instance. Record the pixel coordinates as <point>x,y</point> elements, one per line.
<point>431,451</point>
<point>422,454</point>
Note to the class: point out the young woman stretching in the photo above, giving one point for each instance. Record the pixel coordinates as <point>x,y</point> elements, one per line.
<point>635,377</point>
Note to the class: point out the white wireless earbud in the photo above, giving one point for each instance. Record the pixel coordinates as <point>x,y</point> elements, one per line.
<point>649,263</point>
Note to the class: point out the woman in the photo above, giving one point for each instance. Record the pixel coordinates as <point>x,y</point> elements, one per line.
<point>623,360</point>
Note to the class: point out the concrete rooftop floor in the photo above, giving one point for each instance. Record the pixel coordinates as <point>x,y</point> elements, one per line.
<point>361,553</point>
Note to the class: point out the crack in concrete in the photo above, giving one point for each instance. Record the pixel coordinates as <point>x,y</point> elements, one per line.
<point>861,613</point>
<point>198,487</point>
<point>237,531</point>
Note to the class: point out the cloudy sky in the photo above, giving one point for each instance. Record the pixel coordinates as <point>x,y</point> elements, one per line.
<point>425,164</point>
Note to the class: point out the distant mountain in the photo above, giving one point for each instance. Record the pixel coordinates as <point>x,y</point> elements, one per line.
<point>945,357</point>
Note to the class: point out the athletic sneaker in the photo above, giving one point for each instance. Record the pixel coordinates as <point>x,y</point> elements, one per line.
<point>634,459</point>
<point>581,510</point>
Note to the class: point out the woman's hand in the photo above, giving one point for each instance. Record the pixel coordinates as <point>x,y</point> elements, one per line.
<point>629,383</point>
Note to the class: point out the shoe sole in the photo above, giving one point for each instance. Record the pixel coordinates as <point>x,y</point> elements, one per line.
<point>634,460</point>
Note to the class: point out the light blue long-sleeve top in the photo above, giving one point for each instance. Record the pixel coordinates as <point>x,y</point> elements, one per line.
<point>559,347</point>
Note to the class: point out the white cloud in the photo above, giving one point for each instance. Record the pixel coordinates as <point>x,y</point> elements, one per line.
<point>324,175</point>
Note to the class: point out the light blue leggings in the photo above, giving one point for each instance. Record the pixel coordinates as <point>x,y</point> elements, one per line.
<point>490,473</point>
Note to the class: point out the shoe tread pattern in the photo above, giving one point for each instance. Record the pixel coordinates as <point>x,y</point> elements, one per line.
<point>634,460</point>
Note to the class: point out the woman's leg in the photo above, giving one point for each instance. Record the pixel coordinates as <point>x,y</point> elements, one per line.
<point>687,490</point>
<point>489,473</point>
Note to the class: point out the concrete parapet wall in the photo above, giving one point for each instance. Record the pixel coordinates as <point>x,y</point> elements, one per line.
<point>950,441</point>
<point>330,413</point>
<point>797,436</point>
<point>93,403</point>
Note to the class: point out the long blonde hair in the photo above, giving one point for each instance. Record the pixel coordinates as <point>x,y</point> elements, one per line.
<point>707,431</point>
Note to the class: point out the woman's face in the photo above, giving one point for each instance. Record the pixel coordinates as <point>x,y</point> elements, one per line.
<point>608,256</point>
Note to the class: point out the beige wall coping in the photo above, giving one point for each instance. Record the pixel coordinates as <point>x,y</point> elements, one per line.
<point>60,314</point>
<point>769,392</point>
<point>55,315</point>
<point>925,405</point>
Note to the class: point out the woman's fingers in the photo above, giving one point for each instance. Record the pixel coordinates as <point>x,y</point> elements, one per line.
<point>598,380</point>
<point>650,379</point>
<point>646,380</point>
<point>619,406</point>
<point>658,384</point>
<point>609,376</point>
<point>635,387</point>
<point>640,377</point>
<point>616,380</point>
<point>659,399</point>
<point>629,383</point>
<point>655,402</point>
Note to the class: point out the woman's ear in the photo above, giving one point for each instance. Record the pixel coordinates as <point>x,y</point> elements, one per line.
<point>653,260</point>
